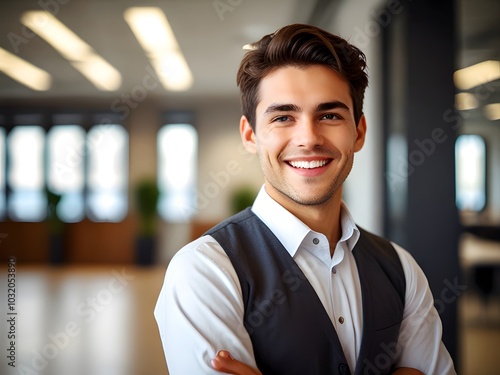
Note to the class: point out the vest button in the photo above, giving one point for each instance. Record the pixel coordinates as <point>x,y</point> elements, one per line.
<point>341,320</point>
<point>344,369</point>
<point>315,241</point>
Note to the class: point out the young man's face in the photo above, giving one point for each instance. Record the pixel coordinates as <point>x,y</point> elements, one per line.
<point>305,134</point>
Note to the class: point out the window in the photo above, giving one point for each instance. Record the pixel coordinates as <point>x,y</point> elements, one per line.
<point>107,147</point>
<point>65,161</point>
<point>25,147</point>
<point>89,170</point>
<point>470,169</point>
<point>177,155</point>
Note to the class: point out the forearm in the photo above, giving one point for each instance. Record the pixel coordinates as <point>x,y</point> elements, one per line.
<point>223,362</point>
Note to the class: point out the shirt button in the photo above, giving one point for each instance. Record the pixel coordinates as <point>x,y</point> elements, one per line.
<point>341,320</point>
<point>315,241</point>
<point>334,271</point>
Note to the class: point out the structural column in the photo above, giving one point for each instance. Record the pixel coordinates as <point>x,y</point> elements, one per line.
<point>420,122</point>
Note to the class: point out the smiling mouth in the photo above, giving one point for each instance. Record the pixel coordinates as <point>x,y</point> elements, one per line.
<point>302,164</point>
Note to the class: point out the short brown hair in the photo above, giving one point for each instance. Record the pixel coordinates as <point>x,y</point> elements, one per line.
<point>301,45</point>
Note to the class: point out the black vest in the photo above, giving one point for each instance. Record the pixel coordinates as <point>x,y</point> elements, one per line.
<point>290,330</point>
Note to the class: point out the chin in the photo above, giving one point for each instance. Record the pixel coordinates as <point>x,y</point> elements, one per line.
<point>311,199</point>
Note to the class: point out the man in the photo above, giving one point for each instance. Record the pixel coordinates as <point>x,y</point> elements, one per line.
<point>292,285</point>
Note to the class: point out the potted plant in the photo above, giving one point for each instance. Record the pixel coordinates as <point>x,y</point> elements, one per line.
<point>242,198</point>
<point>56,228</point>
<point>146,197</point>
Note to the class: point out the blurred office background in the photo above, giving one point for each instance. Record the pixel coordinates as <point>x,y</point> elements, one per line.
<point>119,145</point>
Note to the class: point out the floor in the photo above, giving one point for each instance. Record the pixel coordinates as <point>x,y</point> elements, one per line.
<point>85,321</point>
<point>98,321</point>
<point>479,317</point>
<point>480,336</point>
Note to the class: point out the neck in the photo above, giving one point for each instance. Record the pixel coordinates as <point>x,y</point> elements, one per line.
<point>322,218</point>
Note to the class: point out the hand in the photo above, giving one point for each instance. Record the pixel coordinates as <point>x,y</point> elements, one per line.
<point>225,363</point>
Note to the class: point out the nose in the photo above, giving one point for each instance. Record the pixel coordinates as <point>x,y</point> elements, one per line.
<point>308,134</point>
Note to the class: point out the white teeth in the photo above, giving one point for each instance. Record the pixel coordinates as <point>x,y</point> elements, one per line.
<point>308,164</point>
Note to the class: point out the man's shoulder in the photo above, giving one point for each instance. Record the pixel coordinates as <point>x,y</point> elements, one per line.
<point>203,256</point>
<point>388,246</point>
<point>207,247</point>
<point>372,235</point>
<point>376,242</point>
<point>374,249</point>
<point>191,249</point>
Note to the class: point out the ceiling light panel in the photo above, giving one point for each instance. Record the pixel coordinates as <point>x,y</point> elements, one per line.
<point>24,72</point>
<point>465,101</point>
<point>81,55</point>
<point>154,33</point>
<point>476,75</point>
<point>492,111</point>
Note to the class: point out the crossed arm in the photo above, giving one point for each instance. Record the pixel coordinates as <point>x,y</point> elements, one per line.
<point>225,363</point>
<point>200,309</point>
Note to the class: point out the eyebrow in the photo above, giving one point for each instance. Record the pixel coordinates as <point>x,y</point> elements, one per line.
<point>336,104</point>
<point>282,108</point>
<point>277,107</point>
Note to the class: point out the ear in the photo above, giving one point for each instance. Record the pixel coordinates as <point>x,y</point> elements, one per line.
<point>361,133</point>
<point>247,135</point>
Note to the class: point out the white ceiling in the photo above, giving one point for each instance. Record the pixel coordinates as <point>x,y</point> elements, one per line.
<point>211,42</point>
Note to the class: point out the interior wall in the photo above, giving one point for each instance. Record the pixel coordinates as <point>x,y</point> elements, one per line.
<point>224,165</point>
<point>363,189</point>
<point>430,226</point>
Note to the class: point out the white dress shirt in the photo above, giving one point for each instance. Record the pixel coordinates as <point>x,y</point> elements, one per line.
<point>200,309</point>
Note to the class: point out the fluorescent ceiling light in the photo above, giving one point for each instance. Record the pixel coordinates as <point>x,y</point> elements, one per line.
<point>24,72</point>
<point>153,32</point>
<point>492,111</point>
<point>65,41</point>
<point>81,55</point>
<point>465,101</point>
<point>98,71</point>
<point>476,75</point>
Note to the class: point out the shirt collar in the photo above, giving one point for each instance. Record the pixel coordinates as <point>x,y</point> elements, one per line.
<point>289,230</point>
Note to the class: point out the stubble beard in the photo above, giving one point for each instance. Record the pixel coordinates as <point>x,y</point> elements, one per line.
<point>286,190</point>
